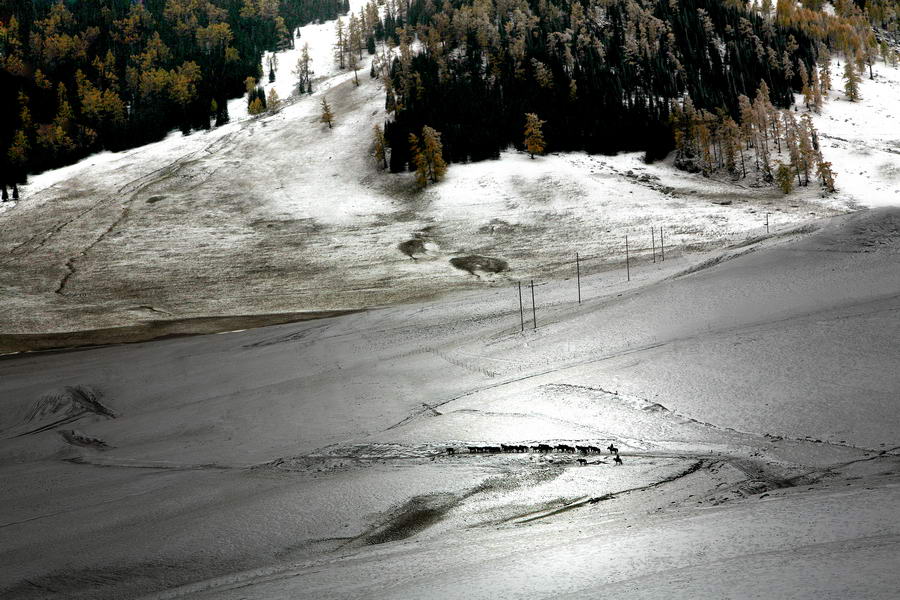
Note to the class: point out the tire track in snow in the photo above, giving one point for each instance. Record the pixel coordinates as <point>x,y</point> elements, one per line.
<point>693,468</point>
<point>133,188</point>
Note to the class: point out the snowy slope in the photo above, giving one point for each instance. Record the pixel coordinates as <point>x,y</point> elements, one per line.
<point>753,400</point>
<point>862,139</point>
<point>279,214</point>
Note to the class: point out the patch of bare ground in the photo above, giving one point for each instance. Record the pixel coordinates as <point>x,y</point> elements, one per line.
<point>414,516</point>
<point>412,247</point>
<point>474,262</point>
<point>150,330</point>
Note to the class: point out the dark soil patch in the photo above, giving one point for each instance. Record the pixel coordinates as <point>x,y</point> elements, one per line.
<point>412,247</point>
<point>473,263</point>
<point>155,199</point>
<point>406,526</point>
<point>149,330</point>
<point>416,515</point>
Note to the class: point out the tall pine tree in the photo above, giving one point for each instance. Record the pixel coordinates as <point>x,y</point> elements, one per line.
<point>327,116</point>
<point>534,135</point>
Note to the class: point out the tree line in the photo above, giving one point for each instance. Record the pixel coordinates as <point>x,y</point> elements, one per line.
<point>603,75</point>
<point>764,143</point>
<point>78,76</point>
<point>611,75</point>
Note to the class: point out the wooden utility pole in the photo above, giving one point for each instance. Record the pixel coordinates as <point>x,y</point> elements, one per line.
<point>533,308</point>
<point>662,246</point>
<point>627,266</point>
<point>521,308</point>
<point>653,238</point>
<point>578,276</point>
<point>767,222</point>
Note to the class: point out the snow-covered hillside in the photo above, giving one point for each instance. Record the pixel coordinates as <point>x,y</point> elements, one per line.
<point>753,400</point>
<point>862,139</point>
<point>749,380</point>
<point>279,214</point>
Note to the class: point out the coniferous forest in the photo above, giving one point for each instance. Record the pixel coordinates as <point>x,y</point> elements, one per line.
<point>79,76</point>
<point>605,76</point>
<point>601,75</point>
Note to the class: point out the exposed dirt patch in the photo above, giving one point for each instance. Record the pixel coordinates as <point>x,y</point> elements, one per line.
<point>414,516</point>
<point>412,247</point>
<point>155,199</point>
<point>474,263</point>
<point>151,330</point>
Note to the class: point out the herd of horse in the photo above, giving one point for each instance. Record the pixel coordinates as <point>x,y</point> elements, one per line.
<point>538,448</point>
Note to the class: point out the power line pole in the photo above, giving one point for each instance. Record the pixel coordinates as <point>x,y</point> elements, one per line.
<point>767,222</point>
<point>578,276</point>
<point>521,307</point>
<point>662,246</point>
<point>627,266</point>
<point>533,308</point>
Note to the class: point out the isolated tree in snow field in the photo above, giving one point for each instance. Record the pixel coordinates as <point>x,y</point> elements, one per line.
<point>327,115</point>
<point>273,102</point>
<point>534,135</point>
<point>304,72</point>
<point>851,81</point>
